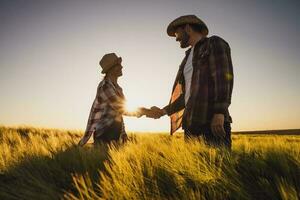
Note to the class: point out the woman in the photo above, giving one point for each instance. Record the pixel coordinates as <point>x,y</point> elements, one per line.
<point>105,121</point>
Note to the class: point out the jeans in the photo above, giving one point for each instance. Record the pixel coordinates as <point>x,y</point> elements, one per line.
<point>110,134</point>
<point>205,131</point>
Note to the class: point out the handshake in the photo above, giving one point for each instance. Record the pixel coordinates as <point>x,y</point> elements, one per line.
<point>154,112</point>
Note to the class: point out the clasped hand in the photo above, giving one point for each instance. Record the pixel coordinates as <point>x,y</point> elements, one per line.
<point>154,112</point>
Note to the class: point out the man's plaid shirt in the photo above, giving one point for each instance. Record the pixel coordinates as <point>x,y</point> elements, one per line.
<point>107,108</point>
<point>211,87</point>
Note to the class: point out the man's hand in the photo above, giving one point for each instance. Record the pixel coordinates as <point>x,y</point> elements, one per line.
<point>157,112</point>
<point>83,141</point>
<point>154,112</point>
<point>217,125</point>
<point>124,138</point>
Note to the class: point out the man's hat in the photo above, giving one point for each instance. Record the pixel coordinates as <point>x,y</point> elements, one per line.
<point>186,19</point>
<point>108,61</point>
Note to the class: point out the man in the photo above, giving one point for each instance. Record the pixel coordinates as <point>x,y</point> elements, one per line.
<point>202,90</point>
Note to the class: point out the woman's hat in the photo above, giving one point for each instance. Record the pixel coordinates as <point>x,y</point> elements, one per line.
<point>108,61</point>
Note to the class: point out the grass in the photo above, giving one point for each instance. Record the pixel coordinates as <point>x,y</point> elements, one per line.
<point>47,164</point>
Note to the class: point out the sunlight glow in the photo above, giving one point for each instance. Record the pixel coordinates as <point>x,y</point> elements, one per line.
<point>131,106</point>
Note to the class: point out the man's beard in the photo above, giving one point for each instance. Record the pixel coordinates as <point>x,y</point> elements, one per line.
<point>184,42</point>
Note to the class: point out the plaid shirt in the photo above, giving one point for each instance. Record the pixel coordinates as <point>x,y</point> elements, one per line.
<point>107,108</point>
<point>211,87</point>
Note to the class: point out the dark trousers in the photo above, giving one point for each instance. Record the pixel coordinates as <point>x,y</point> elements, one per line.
<point>110,134</point>
<point>205,131</point>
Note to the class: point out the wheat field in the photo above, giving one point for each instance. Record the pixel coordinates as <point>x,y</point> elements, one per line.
<point>46,164</point>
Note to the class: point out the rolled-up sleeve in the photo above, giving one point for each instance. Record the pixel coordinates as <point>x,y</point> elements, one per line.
<point>175,106</point>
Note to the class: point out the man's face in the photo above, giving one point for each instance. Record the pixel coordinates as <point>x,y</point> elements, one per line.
<point>182,36</point>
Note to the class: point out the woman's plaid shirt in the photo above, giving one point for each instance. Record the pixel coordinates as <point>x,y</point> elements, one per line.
<point>107,108</point>
<point>211,87</point>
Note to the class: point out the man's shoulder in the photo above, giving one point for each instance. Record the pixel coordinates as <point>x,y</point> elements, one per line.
<point>215,40</point>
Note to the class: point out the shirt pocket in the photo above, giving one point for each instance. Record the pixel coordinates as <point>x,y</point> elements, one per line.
<point>204,54</point>
<point>201,60</point>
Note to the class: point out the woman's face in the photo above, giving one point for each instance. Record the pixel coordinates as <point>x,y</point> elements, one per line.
<point>117,70</point>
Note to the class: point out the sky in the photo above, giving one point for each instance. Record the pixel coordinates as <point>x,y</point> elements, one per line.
<point>50,50</point>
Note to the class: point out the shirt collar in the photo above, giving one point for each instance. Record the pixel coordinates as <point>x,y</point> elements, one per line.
<point>198,44</point>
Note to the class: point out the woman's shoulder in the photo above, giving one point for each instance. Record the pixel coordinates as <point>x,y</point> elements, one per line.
<point>107,84</point>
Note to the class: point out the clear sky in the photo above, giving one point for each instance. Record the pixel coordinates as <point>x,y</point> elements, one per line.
<point>49,54</point>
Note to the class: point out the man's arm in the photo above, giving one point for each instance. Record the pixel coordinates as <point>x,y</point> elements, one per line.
<point>221,71</point>
<point>170,109</point>
<point>175,106</point>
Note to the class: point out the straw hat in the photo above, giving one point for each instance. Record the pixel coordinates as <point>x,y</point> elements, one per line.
<point>186,19</point>
<point>108,61</point>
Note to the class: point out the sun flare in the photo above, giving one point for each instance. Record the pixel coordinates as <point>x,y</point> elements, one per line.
<point>131,106</point>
